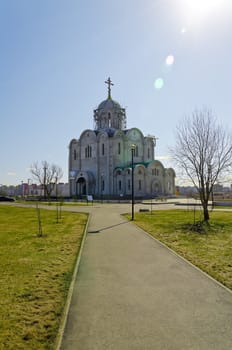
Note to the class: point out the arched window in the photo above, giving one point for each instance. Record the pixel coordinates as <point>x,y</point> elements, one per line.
<point>119,185</point>
<point>88,151</point>
<point>103,149</point>
<point>74,154</point>
<point>136,151</point>
<point>155,172</point>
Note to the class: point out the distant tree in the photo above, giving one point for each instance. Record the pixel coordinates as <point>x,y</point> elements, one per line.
<point>47,175</point>
<point>204,151</point>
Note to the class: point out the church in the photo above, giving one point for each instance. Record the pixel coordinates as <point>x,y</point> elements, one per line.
<point>111,161</point>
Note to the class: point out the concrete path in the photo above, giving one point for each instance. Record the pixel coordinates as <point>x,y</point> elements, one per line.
<point>132,293</point>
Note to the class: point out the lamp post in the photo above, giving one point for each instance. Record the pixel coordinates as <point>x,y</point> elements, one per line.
<point>102,186</point>
<point>22,192</point>
<point>132,182</point>
<point>57,209</point>
<point>45,180</point>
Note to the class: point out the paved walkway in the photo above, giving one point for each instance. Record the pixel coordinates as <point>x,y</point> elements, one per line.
<point>132,293</point>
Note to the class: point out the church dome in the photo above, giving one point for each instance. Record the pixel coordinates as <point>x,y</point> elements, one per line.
<point>109,114</point>
<point>109,104</point>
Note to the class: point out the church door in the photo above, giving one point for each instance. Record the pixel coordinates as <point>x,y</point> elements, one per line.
<point>81,187</point>
<point>156,188</point>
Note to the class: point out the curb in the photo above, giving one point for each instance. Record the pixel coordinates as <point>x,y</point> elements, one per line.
<point>64,317</point>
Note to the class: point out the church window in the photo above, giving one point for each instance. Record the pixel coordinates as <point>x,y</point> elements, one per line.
<point>128,184</point>
<point>103,149</point>
<point>128,171</point>
<point>74,154</point>
<point>103,185</point>
<point>88,151</point>
<point>155,172</point>
<point>119,185</point>
<point>140,184</point>
<point>148,152</point>
<point>119,148</point>
<point>136,151</point>
<point>109,118</point>
<point>140,172</point>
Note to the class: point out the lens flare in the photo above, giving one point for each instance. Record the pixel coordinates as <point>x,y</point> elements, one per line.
<point>169,60</point>
<point>159,83</point>
<point>183,30</point>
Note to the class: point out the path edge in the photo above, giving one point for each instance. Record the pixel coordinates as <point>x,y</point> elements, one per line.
<point>187,261</point>
<point>64,317</point>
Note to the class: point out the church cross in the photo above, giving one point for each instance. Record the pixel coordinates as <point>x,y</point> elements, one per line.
<point>109,83</point>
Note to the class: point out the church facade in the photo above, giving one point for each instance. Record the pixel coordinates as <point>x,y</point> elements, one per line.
<point>102,161</point>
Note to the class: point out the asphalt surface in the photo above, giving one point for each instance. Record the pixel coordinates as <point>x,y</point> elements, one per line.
<point>132,293</point>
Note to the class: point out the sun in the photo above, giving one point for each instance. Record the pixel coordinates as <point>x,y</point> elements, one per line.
<point>203,7</point>
<point>195,10</point>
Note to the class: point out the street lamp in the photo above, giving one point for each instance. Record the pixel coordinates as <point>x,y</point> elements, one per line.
<point>132,182</point>
<point>102,186</point>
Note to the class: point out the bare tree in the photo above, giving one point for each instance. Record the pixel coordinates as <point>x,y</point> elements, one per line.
<point>47,175</point>
<point>204,151</point>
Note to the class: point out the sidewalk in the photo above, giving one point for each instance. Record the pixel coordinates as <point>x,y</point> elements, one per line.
<point>132,293</point>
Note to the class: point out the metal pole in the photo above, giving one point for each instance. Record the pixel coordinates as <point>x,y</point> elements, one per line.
<point>45,169</point>
<point>132,184</point>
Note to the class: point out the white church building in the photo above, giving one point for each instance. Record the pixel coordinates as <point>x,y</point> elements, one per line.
<point>102,161</point>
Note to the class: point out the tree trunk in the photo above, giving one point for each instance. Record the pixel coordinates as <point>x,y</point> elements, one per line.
<point>206,211</point>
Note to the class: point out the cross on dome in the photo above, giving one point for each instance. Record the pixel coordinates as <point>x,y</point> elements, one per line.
<point>109,83</point>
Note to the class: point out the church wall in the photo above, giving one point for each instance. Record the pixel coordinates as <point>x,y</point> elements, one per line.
<point>148,149</point>
<point>169,181</point>
<point>139,180</point>
<point>118,147</point>
<point>88,151</point>
<point>103,163</point>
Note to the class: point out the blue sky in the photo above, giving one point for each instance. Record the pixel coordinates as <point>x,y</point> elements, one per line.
<point>55,56</point>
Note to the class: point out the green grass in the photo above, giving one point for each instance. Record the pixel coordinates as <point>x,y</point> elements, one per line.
<point>210,251</point>
<point>53,203</point>
<point>35,274</point>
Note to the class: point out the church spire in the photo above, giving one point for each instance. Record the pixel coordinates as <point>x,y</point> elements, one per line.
<point>109,83</point>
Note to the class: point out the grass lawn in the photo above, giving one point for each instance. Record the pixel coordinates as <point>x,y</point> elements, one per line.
<point>54,203</point>
<point>211,251</point>
<point>35,273</point>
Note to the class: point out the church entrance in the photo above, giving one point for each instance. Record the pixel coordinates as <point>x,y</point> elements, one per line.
<point>81,187</point>
<point>156,188</point>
